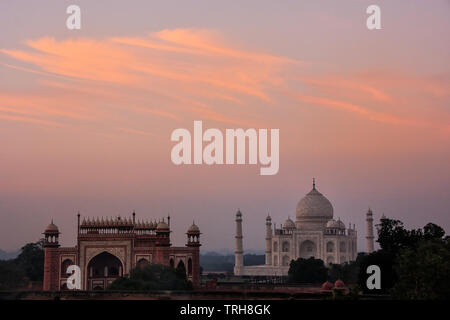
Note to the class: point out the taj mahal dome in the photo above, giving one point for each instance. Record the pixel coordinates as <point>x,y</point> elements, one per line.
<point>315,233</point>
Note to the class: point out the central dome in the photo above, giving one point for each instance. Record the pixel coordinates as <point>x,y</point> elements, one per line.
<point>314,206</point>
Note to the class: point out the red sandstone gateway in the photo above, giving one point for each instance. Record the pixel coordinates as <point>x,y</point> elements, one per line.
<point>108,249</point>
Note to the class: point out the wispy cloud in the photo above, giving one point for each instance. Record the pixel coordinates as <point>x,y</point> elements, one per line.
<point>176,74</point>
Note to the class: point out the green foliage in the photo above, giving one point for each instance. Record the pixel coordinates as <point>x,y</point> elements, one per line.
<point>11,277</point>
<point>153,277</point>
<point>424,273</point>
<point>432,231</point>
<point>347,272</point>
<point>31,260</point>
<point>29,265</point>
<point>415,264</point>
<point>392,236</point>
<point>307,271</point>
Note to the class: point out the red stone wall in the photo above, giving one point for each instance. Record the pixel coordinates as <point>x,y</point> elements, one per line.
<point>51,269</point>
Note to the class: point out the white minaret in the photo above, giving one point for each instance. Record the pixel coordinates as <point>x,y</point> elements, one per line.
<point>238,254</point>
<point>369,231</point>
<point>268,240</point>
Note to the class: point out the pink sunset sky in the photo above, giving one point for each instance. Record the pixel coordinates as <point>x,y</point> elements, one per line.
<point>86,115</point>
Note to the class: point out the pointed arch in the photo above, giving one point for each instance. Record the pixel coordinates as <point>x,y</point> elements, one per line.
<point>189,270</point>
<point>142,263</point>
<point>181,268</point>
<point>308,249</point>
<point>104,265</point>
<point>64,265</point>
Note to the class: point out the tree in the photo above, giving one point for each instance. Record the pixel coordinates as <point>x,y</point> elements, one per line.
<point>392,236</point>
<point>31,260</point>
<point>11,277</point>
<point>433,231</point>
<point>307,271</point>
<point>424,273</point>
<point>152,277</point>
<point>347,272</point>
<point>414,263</point>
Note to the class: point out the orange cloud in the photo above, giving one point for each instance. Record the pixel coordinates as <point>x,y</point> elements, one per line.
<point>362,111</point>
<point>17,118</point>
<point>175,74</point>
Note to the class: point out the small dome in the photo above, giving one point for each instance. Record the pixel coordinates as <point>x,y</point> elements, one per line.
<point>341,225</point>
<point>335,224</point>
<point>51,228</point>
<point>327,285</point>
<point>339,284</point>
<point>162,226</point>
<point>332,224</point>
<point>238,213</point>
<point>193,229</point>
<point>289,224</point>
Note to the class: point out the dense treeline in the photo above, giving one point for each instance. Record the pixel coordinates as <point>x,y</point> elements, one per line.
<point>415,264</point>
<point>153,277</point>
<point>27,266</point>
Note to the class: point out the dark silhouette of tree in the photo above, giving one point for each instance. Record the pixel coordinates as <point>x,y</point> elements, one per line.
<point>424,273</point>
<point>432,231</point>
<point>392,236</point>
<point>152,277</point>
<point>11,277</point>
<point>347,272</point>
<point>307,271</point>
<point>29,265</point>
<point>31,260</point>
<point>414,264</point>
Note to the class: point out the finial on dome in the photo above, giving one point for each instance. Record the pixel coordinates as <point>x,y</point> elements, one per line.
<point>314,183</point>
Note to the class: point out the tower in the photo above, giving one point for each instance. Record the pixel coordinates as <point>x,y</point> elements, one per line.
<point>268,240</point>
<point>369,231</point>
<point>193,241</point>
<point>162,242</point>
<point>238,254</point>
<point>51,263</point>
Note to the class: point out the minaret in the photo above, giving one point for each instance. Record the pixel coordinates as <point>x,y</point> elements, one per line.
<point>369,231</point>
<point>193,241</point>
<point>238,254</point>
<point>268,240</point>
<point>51,263</point>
